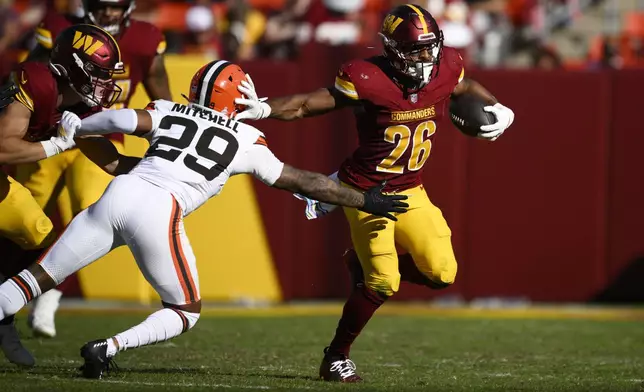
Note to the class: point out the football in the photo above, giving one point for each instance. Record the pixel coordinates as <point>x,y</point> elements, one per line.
<point>467,114</point>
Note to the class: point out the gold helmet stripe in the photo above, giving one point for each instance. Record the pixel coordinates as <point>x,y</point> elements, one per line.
<point>420,16</point>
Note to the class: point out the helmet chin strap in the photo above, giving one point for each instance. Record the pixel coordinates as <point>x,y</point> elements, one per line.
<point>84,98</point>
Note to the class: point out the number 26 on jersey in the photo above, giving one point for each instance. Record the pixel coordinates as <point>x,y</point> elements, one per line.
<point>402,136</point>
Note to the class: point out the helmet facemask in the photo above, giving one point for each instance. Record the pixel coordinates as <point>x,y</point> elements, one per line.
<point>419,61</point>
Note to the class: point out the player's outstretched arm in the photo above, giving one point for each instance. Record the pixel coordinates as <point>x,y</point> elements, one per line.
<point>127,121</point>
<point>295,107</point>
<point>14,122</point>
<point>292,107</point>
<point>319,187</point>
<point>105,155</point>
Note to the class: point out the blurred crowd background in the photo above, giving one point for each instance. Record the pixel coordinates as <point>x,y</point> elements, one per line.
<point>574,34</point>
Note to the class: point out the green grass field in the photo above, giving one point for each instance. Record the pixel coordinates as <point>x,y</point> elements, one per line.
<point>399,351</point>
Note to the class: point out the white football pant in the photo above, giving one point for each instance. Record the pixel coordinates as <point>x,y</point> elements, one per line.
<point>149,221</point>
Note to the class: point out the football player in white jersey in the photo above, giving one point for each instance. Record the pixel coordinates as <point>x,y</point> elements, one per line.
<point>194,149</point>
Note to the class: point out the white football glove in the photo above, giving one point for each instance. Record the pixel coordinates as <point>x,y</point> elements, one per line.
<point>256,108</point>
<point>504,118</point>
<point>64,139</point>
<point>316,209</point>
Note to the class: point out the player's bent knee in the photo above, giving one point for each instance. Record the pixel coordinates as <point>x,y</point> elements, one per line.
<point>444,276</point>
<point>39,233</point>
<point>385,285</point>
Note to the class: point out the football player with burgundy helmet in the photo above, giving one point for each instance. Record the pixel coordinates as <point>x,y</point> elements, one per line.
<point>78,78</point>
<point>142,48</point>
<point>404,96</point>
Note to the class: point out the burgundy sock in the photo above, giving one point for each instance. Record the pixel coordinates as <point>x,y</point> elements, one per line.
<point>358,310</point>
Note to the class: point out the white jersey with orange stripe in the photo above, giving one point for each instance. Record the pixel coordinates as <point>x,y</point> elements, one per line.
<point>194,150</point>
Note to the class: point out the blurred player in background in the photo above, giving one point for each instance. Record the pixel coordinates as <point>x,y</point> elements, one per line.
<point>194,149</point>
<point>71,179</point>
<point>78,78</point>
<point>400,98</point>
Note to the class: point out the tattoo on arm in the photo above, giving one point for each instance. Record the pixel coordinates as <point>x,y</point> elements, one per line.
<point>319,187</point>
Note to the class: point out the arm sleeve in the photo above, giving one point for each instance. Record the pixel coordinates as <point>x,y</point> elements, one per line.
<point>109,121</point>
<point>264,165</point>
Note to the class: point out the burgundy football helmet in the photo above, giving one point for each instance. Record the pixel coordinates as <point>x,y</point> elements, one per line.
<point>111,15</point>
<point>87,57</point>
<point>413,42</point>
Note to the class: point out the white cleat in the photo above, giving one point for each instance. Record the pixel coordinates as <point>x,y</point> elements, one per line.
<point>43,311</point>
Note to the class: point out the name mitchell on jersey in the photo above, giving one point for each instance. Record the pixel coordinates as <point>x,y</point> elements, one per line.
<point>206,114</point>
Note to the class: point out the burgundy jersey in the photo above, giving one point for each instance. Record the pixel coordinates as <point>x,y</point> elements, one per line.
<point>395,128</point>
<point>38,91</point>
<point>139,42</point>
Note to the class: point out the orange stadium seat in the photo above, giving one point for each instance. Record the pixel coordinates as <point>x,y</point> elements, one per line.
<point>595,48</point>
<point>172,16</point>
<point>634,25</point>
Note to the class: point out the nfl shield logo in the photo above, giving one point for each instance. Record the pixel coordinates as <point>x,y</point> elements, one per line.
<point>413,98</point>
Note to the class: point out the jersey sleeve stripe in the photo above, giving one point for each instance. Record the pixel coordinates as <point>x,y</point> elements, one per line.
<point>162,47</point>
<point>346,88</point>
<point>462,76</point>
<point>43,36</point>
<point>22,95</point>
<point>261,141</point>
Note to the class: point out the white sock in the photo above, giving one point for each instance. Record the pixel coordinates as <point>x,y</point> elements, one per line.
<point>16,292</point>
<point>158,327</point>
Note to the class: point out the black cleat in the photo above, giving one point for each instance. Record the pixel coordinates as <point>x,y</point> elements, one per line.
<point>96,360</point>
<point>11,346</point>
<point>338,368</point>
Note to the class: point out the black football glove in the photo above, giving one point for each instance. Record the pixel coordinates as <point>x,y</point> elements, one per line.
<point>377,203</point>
<point>7,92</point>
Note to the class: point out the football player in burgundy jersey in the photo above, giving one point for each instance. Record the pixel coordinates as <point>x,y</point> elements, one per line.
<point>78,78</point>
<point>142,47</point>
<point>403,95</point>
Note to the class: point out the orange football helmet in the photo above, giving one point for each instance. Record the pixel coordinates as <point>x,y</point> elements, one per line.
<point>215,86</point>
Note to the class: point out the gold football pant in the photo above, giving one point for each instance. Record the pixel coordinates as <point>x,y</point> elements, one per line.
<point>70,177</point>
<point>22,220</point>
<point>422,231</point>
